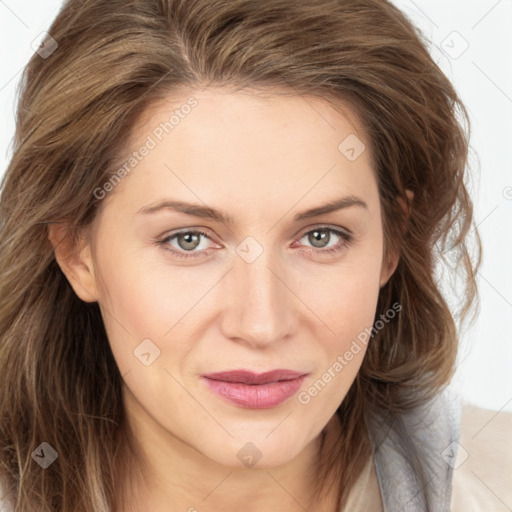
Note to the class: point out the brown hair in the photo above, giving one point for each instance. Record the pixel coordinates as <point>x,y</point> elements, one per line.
<point>60,382</point>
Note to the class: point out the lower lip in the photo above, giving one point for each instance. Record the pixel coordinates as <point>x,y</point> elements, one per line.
<point>257,396</point>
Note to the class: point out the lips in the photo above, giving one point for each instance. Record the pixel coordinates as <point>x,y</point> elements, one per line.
<point>248,377</point>
<point>255,390</point>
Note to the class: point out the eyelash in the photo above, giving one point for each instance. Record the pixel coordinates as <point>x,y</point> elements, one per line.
<point>347,240</point>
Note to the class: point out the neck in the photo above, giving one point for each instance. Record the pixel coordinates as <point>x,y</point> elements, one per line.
<point>195,483</point>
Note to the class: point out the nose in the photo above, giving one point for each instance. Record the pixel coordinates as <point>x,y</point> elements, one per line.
<point>260,304</point>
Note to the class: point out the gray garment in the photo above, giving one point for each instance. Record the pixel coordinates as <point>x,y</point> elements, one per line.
<point>430,434</point>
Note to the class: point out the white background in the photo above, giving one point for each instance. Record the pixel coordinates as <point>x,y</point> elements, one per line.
<point>472,43</point>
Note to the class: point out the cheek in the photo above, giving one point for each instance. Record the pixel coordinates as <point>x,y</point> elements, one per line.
<point>356,307</point>
<point>350,316</point>
<point>130,299</point>
<point>348,304</point>
<point>142,300</point>
<point>344,297</point>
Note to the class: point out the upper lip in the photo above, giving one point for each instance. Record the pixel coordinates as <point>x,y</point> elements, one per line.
<point>249,377</point>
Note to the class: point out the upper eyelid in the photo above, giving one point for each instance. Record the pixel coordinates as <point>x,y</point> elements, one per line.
<point>326,226</point>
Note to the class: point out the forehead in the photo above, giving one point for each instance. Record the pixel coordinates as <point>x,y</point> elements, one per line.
<point>220,115</point>
<point>247,110</point>
<point>247,147</point>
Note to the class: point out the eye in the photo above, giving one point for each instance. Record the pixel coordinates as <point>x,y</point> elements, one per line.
<point>186,242</point>
<point>321,236</point>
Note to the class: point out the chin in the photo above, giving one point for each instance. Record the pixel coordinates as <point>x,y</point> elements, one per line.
<point>256,451</point>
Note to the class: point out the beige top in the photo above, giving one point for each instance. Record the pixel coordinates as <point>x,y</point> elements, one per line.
<point>482,476</point>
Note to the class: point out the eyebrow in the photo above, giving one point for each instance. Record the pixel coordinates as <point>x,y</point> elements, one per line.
<point>206,212</point>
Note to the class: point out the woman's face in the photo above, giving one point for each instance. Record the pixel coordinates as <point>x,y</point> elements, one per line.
<point>278,287</point>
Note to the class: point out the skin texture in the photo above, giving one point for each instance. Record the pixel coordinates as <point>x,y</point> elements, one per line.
<point>261,160</point>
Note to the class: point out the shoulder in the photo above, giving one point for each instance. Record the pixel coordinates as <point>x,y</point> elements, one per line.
<point>483,465</point>
<point>5,506</point>
<point>365,494</point>
<point>409,449</point>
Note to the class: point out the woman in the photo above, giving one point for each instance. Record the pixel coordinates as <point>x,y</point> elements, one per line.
<point>220,230</point>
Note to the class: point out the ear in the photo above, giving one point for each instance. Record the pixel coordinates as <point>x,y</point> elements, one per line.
<point>392,263</point>
<point>75,260</point>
